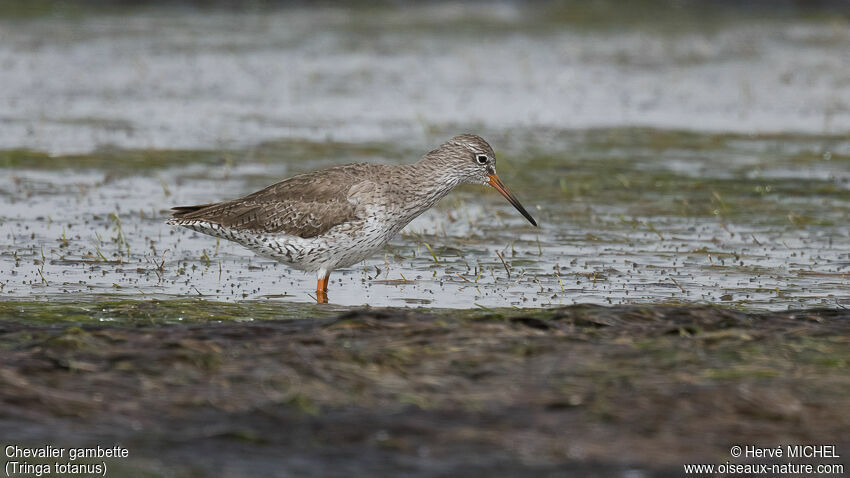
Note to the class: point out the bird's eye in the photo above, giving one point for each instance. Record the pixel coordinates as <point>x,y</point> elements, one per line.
<point>481,159</point>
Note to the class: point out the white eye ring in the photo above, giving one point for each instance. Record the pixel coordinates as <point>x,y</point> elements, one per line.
<point>481,159</point>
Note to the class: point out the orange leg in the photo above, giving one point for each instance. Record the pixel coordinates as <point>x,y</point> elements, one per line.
<point>322,289</point>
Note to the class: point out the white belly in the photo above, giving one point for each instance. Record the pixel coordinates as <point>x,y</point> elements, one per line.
<point>342,246</point>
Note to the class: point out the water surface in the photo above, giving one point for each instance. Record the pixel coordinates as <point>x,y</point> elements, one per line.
<point>702,163</point>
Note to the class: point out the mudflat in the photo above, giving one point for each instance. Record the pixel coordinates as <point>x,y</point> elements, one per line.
<point>589,389</point>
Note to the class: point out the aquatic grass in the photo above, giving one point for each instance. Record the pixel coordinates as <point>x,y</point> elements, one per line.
<point>433,256</point>
<point>63,239</point>
<point>505,264</point>
<point>120,240</point>
<point>205,259</point>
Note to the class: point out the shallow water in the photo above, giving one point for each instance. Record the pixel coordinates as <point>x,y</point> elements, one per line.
<point>620,223</point>
<point>706,164</point>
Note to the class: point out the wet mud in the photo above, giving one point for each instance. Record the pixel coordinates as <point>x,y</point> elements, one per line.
<point>584,389</point>
<point>691,179</point>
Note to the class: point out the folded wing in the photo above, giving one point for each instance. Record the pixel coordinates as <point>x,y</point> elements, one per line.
<point>307,205</point>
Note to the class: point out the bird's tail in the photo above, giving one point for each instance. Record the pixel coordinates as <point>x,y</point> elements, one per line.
<point>179,213</point>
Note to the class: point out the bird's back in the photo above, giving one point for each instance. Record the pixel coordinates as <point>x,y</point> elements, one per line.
<point>306,205</point>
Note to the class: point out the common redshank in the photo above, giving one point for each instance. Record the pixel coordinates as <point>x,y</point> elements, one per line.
<point>337,217</point>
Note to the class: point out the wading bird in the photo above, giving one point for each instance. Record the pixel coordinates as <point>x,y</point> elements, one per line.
<point>337,217</point>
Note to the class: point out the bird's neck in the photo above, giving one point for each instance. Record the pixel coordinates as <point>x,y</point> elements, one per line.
<point>432,183</point>
<point>436,177</point>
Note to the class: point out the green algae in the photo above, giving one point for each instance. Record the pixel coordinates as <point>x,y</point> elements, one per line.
<point>151,312</point>
<point>627,167</point>
<point>140,161</point>
<point>108,159</point>
<point>631,168</point>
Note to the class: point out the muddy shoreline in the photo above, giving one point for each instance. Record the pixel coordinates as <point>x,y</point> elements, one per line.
<point>583,389</point>
<point>673,161</point>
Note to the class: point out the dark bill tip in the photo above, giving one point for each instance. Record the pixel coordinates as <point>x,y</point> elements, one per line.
<point>498,185</point>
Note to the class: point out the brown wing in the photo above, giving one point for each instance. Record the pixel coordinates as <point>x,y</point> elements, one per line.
<point>306,205</point>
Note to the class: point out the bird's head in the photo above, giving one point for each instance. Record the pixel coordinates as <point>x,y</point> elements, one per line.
<point>472,161</point>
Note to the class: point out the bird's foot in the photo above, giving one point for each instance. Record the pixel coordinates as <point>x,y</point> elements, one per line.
<point>322,289</point>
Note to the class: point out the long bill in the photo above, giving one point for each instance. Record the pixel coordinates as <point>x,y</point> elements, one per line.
<point>498,185</point>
